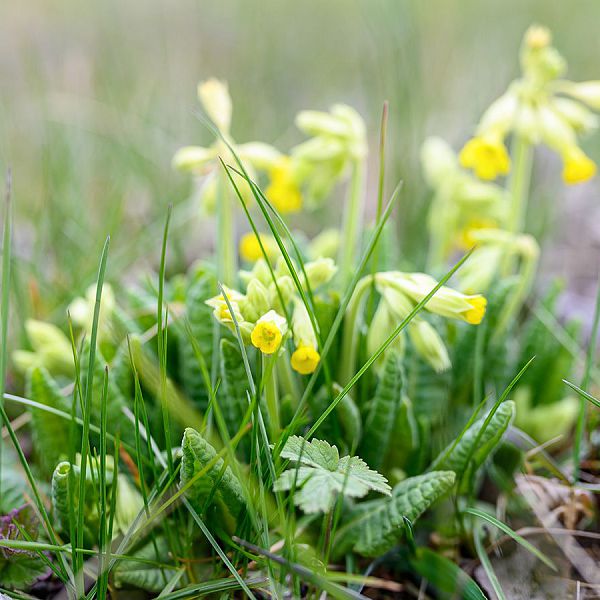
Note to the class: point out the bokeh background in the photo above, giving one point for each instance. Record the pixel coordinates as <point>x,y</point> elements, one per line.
<point>96,97</point>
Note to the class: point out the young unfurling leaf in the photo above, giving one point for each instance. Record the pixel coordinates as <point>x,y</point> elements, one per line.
<point>321,475</point>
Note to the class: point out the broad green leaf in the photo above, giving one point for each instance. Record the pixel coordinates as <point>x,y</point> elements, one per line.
<point>382,413</point>
<point>321,475</point>
<point>466,456</point>
<point>197,453</point>
<point>144,575</point>
<point>50,432</point>
<point>449,580</point>
<point>372,528</point>
<point>234,391</point>
<point>199,318</point>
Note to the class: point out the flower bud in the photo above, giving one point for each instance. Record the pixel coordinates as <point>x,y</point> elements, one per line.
<point>575,114</point>
<point>304,334</point>
<point>320,271</point>
<point>51,349</point>
<point>214,97</point>
<point>325,245</point>
<point>193,158</point>
<point>258,297</point>
<point>382,325</point>
<point>585,91</point>
<point>438,160</point>
<point>429,345</point>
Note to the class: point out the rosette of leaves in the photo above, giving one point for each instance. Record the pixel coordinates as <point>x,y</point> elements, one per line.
<point>320,475</point>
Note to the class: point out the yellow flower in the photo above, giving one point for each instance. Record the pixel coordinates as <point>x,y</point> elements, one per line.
<point>578,167</point>
<point>475,314</point>
<point>305,360</point>
<point>268,332</point>
<point>487,156</point>
<point>283,191</point>
<point>250,247</point>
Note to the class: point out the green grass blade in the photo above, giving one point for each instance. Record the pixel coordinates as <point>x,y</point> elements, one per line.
<point>513,534</point>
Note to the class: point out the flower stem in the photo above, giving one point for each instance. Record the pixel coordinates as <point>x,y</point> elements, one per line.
<point>351,330</point>
<point>518,187</point>
<point>226,256</point>
<point>352,220</point>
<point>271,396</point>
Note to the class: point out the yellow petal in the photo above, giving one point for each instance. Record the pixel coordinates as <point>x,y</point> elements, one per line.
<point>305,360</point>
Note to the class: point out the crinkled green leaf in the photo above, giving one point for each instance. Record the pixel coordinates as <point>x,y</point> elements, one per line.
<point>197,453</point>
<point>383,409</point>
<point>466,456</point>
<point>199,318</point>
<point>372,528</point>
<point>321,475</point>
<point>234,391</point>
<point>50,432</point>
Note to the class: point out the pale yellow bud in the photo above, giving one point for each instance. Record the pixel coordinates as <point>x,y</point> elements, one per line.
<point>214,97</point>
<point>193,158</point>
<point>320,271</point>
<point>429,345</point>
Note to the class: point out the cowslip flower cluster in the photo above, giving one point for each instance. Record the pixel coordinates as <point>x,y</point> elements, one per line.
<point>538,107</point>
<point>203,162</point>
<point>461,202</point>
<point>259,313</point>
<point>399,294</point>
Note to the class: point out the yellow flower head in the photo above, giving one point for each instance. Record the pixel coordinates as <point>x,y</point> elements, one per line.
<point>578,167</point>
<point>283,191</point>
<point>487,156</point>
<point>305,360</point>
<point>538,37</point>
<point>475,314</point>
<point>268,332</point>
<point>250,249</point>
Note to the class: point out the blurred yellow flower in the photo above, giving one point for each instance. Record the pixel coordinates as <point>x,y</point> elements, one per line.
<point>250,249</point>
<point>305,360</point>
<point>283,191</point>
<point>487,156</point>
<point>466,239</point>
<point>578,167</point>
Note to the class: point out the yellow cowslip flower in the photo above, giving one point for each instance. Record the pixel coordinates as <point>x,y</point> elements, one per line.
<point>475,314</point>
<point>268,332</point>
<point>250,249</point>
<point>487,156</point>
<point>305,360</point>
<point>578,167</point>
<point>283,191</point>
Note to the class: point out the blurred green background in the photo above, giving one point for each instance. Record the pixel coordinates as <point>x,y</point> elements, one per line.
<point>97,96</point>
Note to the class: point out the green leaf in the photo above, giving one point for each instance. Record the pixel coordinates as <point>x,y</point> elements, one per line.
<point>145,575</point>
<point>383,409</point>
<point>468,454</point>
<point>449,580</point>
<point>321,475</point>
<point>199,318</point>
<point>234,391</point>
<point>20,568</point>
<point>218,482</point>
<point>49,431</point>
<point>66,505</point>
<point>372,528</point>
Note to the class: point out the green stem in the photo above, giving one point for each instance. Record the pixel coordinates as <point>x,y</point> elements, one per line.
<point>518,187</point>
<point>516,299</point>
<point>351,330</point>
<point>352,220</point>
<point>287,380</point>
<point>271,396</point>
<point>589,363</point>
<point>226,255</point>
